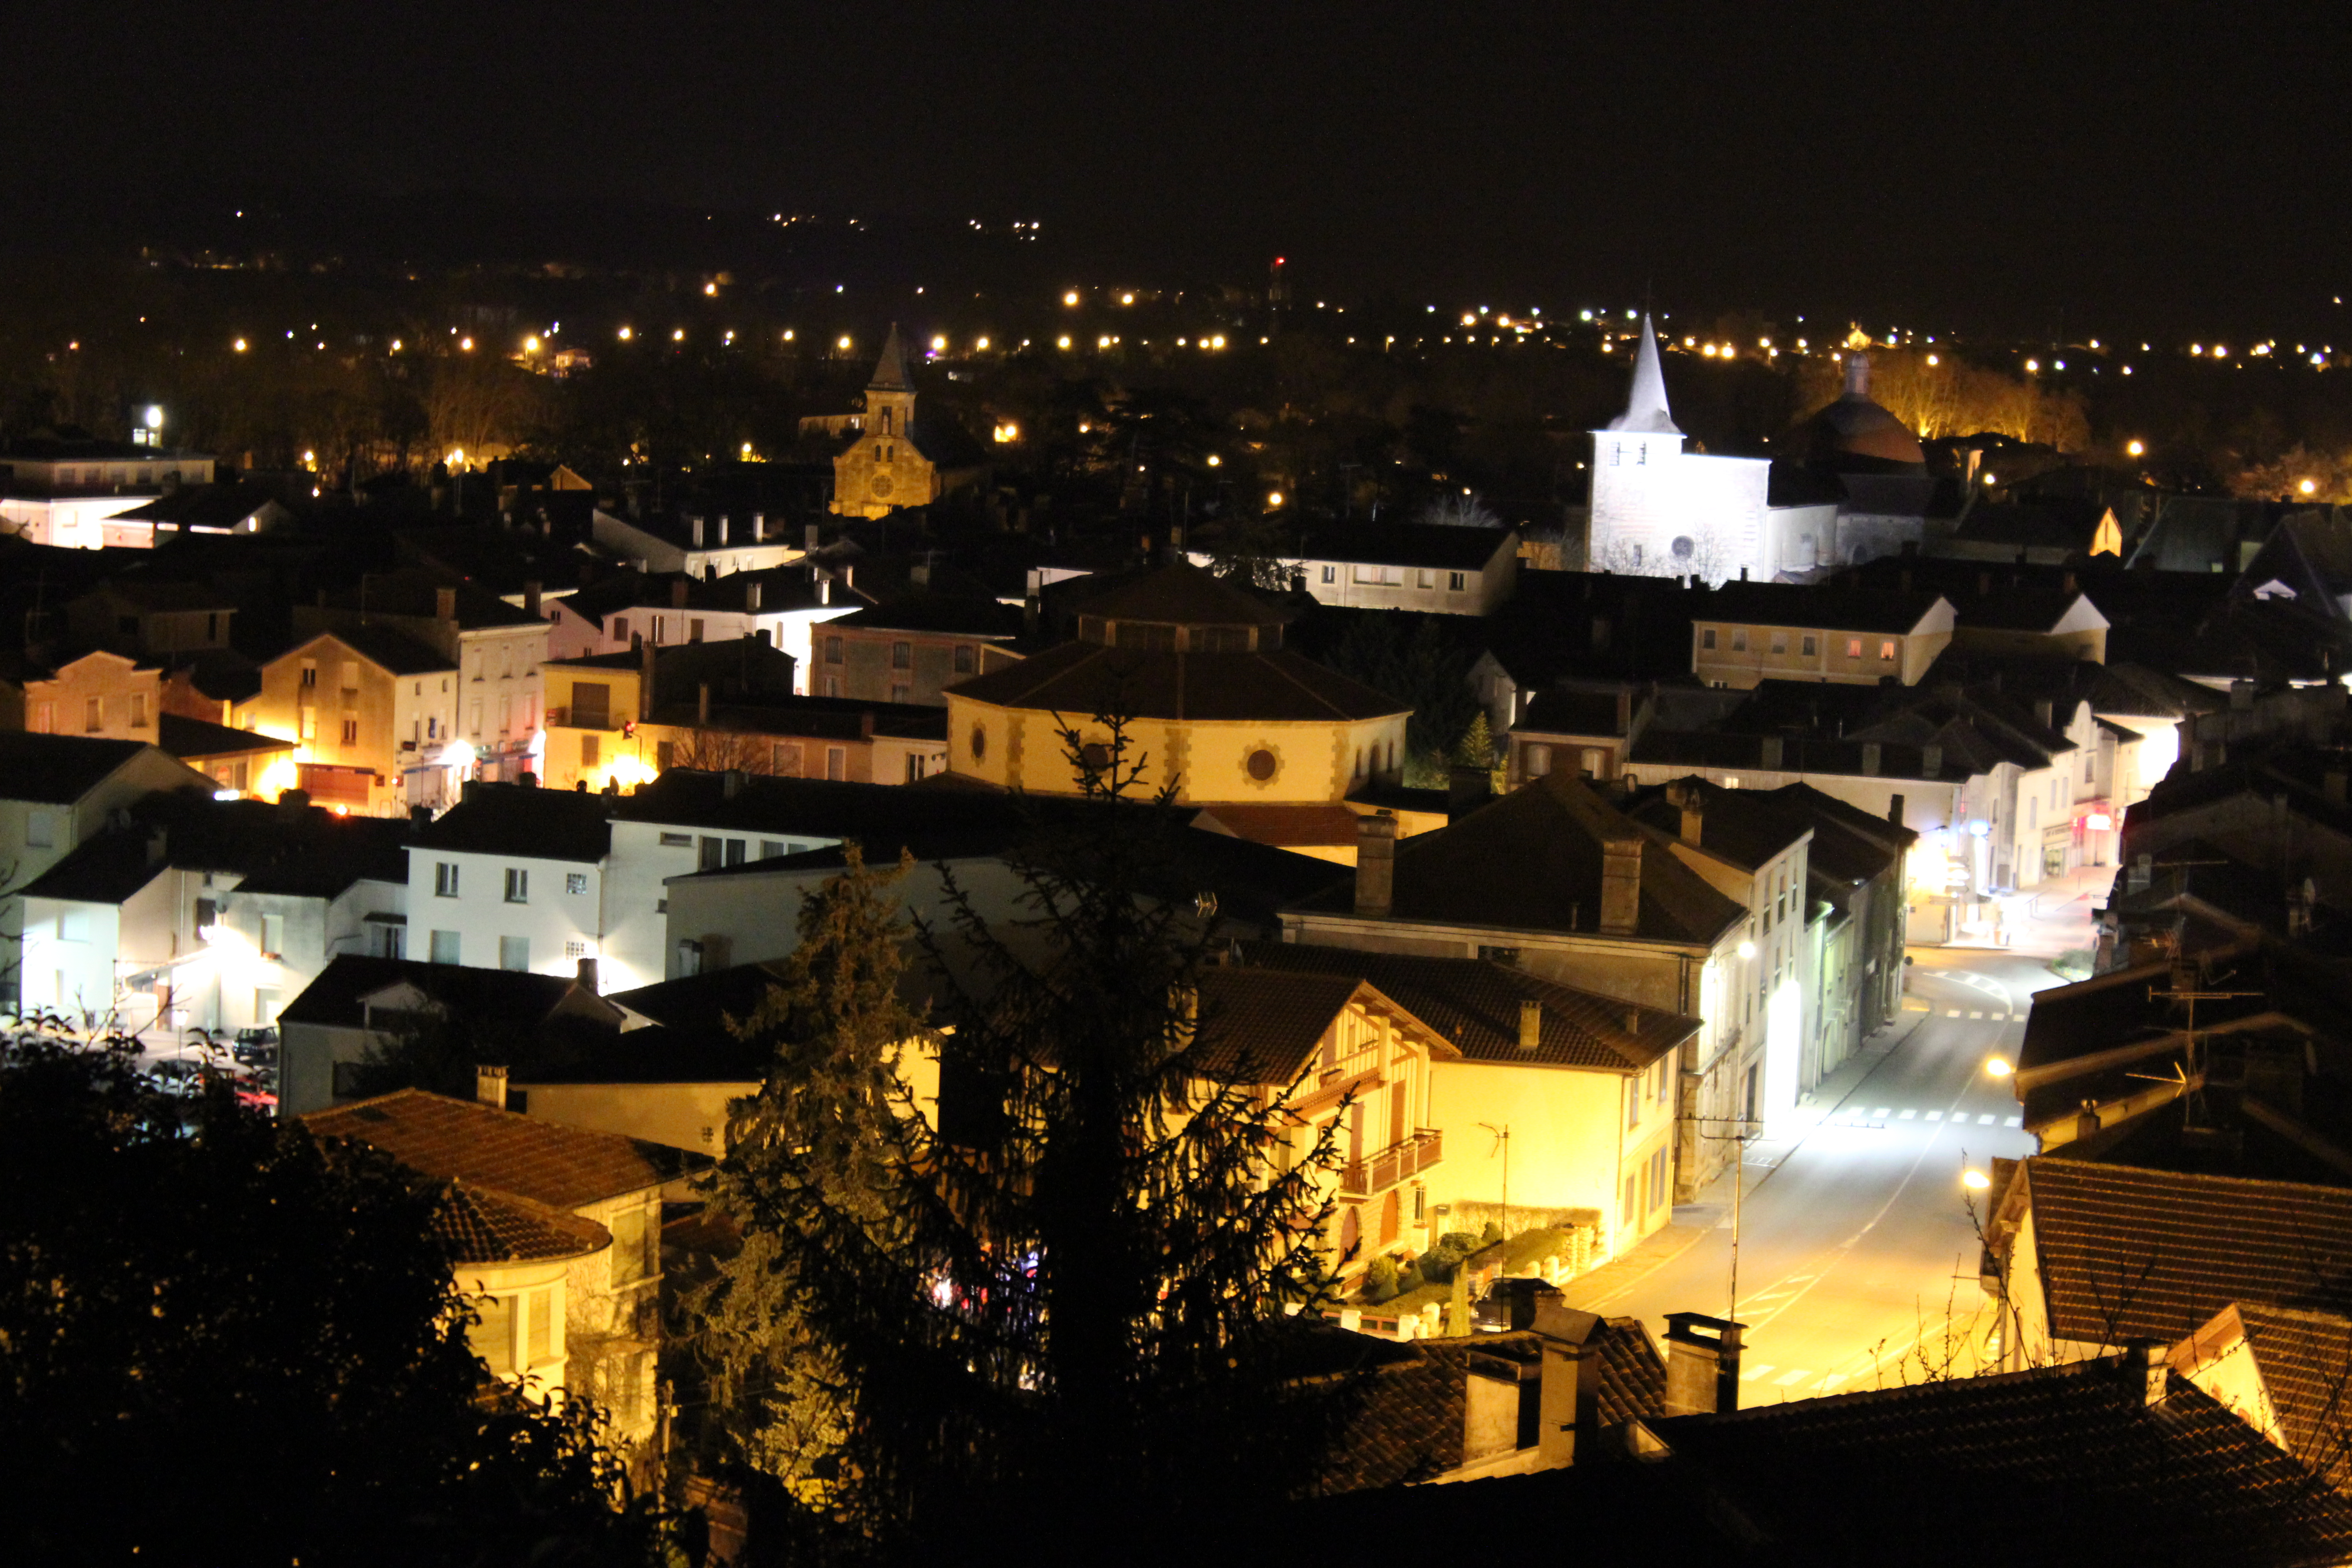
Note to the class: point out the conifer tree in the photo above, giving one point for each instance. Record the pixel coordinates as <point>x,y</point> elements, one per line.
<point>1067,1300</point>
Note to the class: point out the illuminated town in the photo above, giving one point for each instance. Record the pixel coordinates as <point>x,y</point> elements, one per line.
<point>975,835</point>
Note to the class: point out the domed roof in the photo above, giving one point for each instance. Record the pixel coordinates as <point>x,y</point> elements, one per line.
<point>1855,427</point>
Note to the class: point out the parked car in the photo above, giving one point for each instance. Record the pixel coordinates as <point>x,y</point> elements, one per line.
<point>177,1076</point>
<point>256,1045</point>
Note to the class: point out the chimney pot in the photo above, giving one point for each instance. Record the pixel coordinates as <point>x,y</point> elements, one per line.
<point>1530,1026</point>
<point>1702,1365</point>
<point>1894,808</point>
<point>1870,757</point>
<point>531,596</point>
<point>587,979</point>
<point>1621,885</point>
<point>490,1086</point>
<point>730,782</point>
<point>1693,823</point>
<point>1376,839</point>
<point>752,593</point>
<point>445,603</point>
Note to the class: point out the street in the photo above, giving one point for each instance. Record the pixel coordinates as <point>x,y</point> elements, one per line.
<point>1855,1246</point>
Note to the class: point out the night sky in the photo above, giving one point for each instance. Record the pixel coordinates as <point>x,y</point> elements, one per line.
<point>2019,167</point>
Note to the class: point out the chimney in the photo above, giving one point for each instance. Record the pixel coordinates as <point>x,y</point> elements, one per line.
<point>1624,711</point>
<point>730,782</point>
<point>2151,1362</point>
<point>702,705</point>
<point>1931,759</point>
<point>677,594</point>
<point>587,978</point>
<point>1568,1396</point>
<point>1743,573</point>
<point>824,590</point>
<point>1702,1365</point>
<point>1531,1027</point>
<point>1376,838</point>
<point>1894,808</point>
<point>159,843</point>
<point>490,1086</point>
<point>2242,697</point>
<point>849,575</point>
<point>752,593</point>
<point>2069,580</point>
<point>919,574</point>
<point>1693,823</point>
<point>531,593</point>
<point>445,603</point>
<point>1633,1020</point>
<point>759,526</point>
<point>2045,712</point>
<point>722,528</point>
<point>866,725</point>
<point>1869,758</point>
<point>808,539</point>
<point>696,522</point>
<point>1768,752</point>
<point>1621,885</point>
<point>646,680</point>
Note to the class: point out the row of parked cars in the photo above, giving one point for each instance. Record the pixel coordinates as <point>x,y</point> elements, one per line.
<point>251,1068</point>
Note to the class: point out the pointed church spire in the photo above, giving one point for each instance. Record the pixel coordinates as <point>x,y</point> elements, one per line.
<point>1645,410</point>
<point>891,373</point>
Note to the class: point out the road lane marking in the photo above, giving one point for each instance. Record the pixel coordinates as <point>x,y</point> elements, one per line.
<point>1787,1378</point>
<point>1977,1014</point>
<point>1984,1120</point>
<point>1951,1012</point>
<point>1829,1383</point>
<point>1882,1113</point>
<point>2014,1122</point>
<point>1935,1116</point>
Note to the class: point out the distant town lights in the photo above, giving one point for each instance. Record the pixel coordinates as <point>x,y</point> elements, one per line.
<point>677,334</point>
<point>1071,297</point>
<point>1127,299</point>
<point>710,290</point>
<point>1273,498</point>
<point>939,345</point>
<point>2136,449</point>
<point>530,344</point>
<point>627,334</point>
<point>240,345</point>
<point>2308,487</point>
<point>788,334</point>
<point>980,343</point>
<point>844,343</point>
<point>465,344</point>
<point>1063,341</point>
<point>1215,461</point>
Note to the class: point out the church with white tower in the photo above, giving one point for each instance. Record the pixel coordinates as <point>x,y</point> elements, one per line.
<point>1661,509</point>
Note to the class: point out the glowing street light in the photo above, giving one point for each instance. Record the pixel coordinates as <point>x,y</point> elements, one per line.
<point>530,344</point>
<point>626,334</point>
<point>1746,948</point>
<point>939,345</point>
<point>1071,297</point>
<point>1273,498</point>
<point>1063,341</point>
<point>240,345</point>
<point>844,344</point>
<point>1975,1181</point>
<point>2308,487</point>
<point>2136,449</point>
<point>1998,1067</point>
<point>1215,461</point>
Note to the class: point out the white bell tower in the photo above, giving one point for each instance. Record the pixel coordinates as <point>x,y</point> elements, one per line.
<point>1636,472</point>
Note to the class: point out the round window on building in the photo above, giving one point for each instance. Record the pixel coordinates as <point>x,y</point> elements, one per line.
<point>882,485</point>
<point>979,743</point>
<point>1094,756</point>
<point>1261,764</point>
<point>1685,547</point>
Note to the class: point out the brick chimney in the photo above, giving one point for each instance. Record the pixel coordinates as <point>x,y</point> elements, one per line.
<point>1702,1365</point>
<point>587,976</point>
<point>531,596</point>
<point>1621,885</point>
<point>1694,824</point>
<point>1531,1027</point>
<point>1376,838</point>
<point>445,603</point>
<point>1568,1406</point>
<point>2151,1362</point>
<point>490,1086</point>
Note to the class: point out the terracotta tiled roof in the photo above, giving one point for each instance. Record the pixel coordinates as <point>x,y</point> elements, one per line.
<point>2067,1465</point>
<point>1261,1026</point>
<point>1306,824</point>
<point>1278,686</point>
<point>480,1224</point>
<point>436,1135</point>
<point>2130,1254</point>
<point>2303,1362</point>
<point>1473,1004</point>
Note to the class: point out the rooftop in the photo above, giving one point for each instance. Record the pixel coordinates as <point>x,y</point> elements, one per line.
<point>564,1167</point>
<point>525,822</point>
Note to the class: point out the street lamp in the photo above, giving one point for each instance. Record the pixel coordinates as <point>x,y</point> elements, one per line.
<point>1998,1067</point>
<point>1975,1181</point>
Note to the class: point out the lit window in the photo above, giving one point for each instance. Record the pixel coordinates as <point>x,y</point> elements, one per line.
<point>1886,648</point>
<point>576,881</point>
<point>444,880</point>
<point>1853,648</point>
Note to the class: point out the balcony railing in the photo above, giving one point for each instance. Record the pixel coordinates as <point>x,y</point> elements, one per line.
<point>1362,1178</point>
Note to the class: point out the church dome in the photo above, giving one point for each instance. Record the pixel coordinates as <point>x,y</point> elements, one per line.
<point>1855,428</point>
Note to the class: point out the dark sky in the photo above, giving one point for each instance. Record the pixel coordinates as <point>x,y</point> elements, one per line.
<point>2008,166</point>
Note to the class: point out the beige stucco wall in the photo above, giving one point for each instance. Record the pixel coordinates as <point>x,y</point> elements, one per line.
<point>681,1115</point>
<point>1316,762</point>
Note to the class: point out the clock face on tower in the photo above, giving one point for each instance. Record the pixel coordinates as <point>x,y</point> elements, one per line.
<point>881,486</point>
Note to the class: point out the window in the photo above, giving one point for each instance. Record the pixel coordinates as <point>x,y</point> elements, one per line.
<point>517,885</point>
<point>266,999</point>
<point>1886,648</point>
<point>444,880</point>
<point>1810,646</point>
<point>93,714</point>
<point>1853,648</point>
<point>785,758</point>
<point>491,1335</point>
<point>1535,761</point>
<point>444,947</point>
<point>833,650</point>
<point>1423,577</point>
<point>711,856</point>
<point>40,830</point>
<point>540,1337</point>
<point>139,710</point>
<point>632,1245</point>
<point>914,767</point>
<point>309,673</point>
<point>45,719</point>
<point>351,732</point>
<point>514,952</point>
<point>1591,760</point>
<point>1740,640</point>
<point>1706,638</point>
<point>979,743</point>
<point>677,840</point>
<point>390,942</point>
<point>902,656</point>
<point>1330,574</point>
<point>665,755</point>
<point>966,658</point>
<point>837,763</point>
<point>575,882</point>
<point>770,848</point>
<point>1633,1102</point>
<point>1457,582</point>
<point>592,750</point>
<point>1629,1199</point>
<point>1504,955</point>
<point>591,704</point>
<point>735,851</point>
<point>694,630</point>
<point>621,628</point>
<point>901,692</point>
<point>833,686</point>
<point>273,936</point>
<point>1261,764</point>
<point>1779,642</point>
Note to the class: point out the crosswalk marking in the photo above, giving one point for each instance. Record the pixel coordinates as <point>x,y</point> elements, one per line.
<point>1882,1113</point>
<point>2014,1122</point>
<point>1799,1376</point>
<point>1984,1120</point>
<point>1951,1012</point>
<point>1977,1014</point>
<point>1829,1383</point>
<point>1753,1370</point>
<point>1908,1115</point>
<point>1935,1116</point>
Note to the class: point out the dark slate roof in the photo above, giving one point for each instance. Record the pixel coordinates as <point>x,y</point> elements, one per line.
<point>1179,594</point>
<point>1431,544</point>
<point>2129,1254</point>
<point>656,1054</point>
<point>2022,610</point>
<point>1474,1004</point>
<point>1745,826</point>
<point>516,819</point>
<point>206,506</point>
<point>1577,710</point>
<point>481,1225</point>
<point>926,612</point>
<point>185,737</point>
<point>818,718</point>
<point>2042,525</point>
<point>58,770</point>
<point>790,587</point>
<point>567,1167</point>
<point>499,1003</point>
<point>1532,861</point>
<point>880,817</point>
<point>415,590</point>
<point>1798,754</point>
<point>1827,607</point>
<point>394,650</point>
<point>2058,1465</point>
<point>1082,677</point>
<point>308,851</point>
